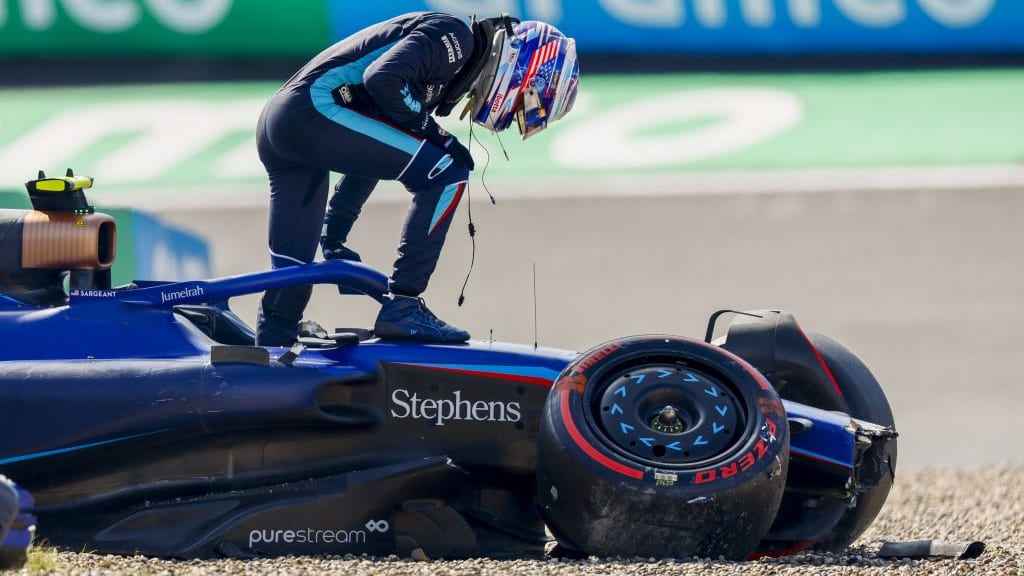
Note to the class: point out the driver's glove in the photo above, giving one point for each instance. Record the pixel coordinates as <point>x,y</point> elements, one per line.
<point>460,153</point>
<point>441,138</point>
<point>334,250</point>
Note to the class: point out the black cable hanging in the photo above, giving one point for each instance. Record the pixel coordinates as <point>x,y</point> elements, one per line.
<point>469,203</point>
<point>469,211</point>
<point>487,162</point>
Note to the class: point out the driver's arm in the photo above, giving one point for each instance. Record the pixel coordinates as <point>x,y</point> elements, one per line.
<point>434,50</point>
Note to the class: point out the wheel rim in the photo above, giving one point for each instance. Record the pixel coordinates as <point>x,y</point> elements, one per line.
<point>669,415</point>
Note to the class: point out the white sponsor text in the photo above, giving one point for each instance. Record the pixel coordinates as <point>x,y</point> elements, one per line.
<point>441,410</point>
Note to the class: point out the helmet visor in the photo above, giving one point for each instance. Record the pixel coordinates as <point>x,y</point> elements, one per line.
<point>531,116</point>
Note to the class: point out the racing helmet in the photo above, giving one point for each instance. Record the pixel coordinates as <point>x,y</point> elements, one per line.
<point>531,77</point>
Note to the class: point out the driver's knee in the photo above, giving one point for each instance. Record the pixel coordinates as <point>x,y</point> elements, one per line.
<point>432,167</point>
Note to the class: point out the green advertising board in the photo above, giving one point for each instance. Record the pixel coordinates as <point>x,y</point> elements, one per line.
<point>167,27</point>
<point>280,28</point>
<point>195,142</point>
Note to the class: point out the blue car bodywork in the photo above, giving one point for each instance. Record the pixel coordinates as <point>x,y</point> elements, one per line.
<point>144,419</point>
<point>139,325</point>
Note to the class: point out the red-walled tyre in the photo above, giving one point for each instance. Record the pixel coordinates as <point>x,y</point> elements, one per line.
<point>661,446</point>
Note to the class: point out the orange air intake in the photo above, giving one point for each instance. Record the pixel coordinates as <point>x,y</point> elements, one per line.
<point>65,241</point>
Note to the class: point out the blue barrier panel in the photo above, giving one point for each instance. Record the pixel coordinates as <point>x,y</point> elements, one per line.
<point>147,248</point>
<point>742,26</point>
<point>163,252</point>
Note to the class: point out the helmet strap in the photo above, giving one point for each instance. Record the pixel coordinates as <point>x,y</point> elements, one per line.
<point>468,106</point>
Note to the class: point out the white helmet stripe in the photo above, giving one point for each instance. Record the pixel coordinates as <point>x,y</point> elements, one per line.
<point>499,86</point>
<point>564,80</point>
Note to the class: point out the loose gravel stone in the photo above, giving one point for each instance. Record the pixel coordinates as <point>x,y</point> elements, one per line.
<point>945,504</point>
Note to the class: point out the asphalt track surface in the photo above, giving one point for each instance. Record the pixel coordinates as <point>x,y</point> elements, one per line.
<point>926,286</point>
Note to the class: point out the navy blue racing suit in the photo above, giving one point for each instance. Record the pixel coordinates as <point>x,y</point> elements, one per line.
<point>362,108</point>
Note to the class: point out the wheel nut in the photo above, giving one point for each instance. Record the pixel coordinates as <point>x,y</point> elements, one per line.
<point>668,416</point>
<point>667,420</point>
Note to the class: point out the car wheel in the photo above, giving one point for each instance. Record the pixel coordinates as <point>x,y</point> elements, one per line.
<point>854,390</point>
<point>661,446</point>
<point>864,399</point>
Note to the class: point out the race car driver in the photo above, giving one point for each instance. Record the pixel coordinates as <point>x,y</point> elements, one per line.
<point>362,108</point>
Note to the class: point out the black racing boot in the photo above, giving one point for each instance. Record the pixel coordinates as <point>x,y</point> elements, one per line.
<point>408,318</point>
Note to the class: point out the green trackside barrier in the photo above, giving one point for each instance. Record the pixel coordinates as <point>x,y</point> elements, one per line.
<point>278,28</point>
<point>208,28</point>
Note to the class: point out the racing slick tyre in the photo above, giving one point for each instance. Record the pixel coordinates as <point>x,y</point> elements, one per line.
<point>661,446</point>
<point>863,398</point>
<point>854,390</point>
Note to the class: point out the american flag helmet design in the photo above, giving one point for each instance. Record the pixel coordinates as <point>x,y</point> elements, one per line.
<point>534,80</point>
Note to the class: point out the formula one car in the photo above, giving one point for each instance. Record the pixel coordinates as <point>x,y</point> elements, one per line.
<point>143,418</point>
